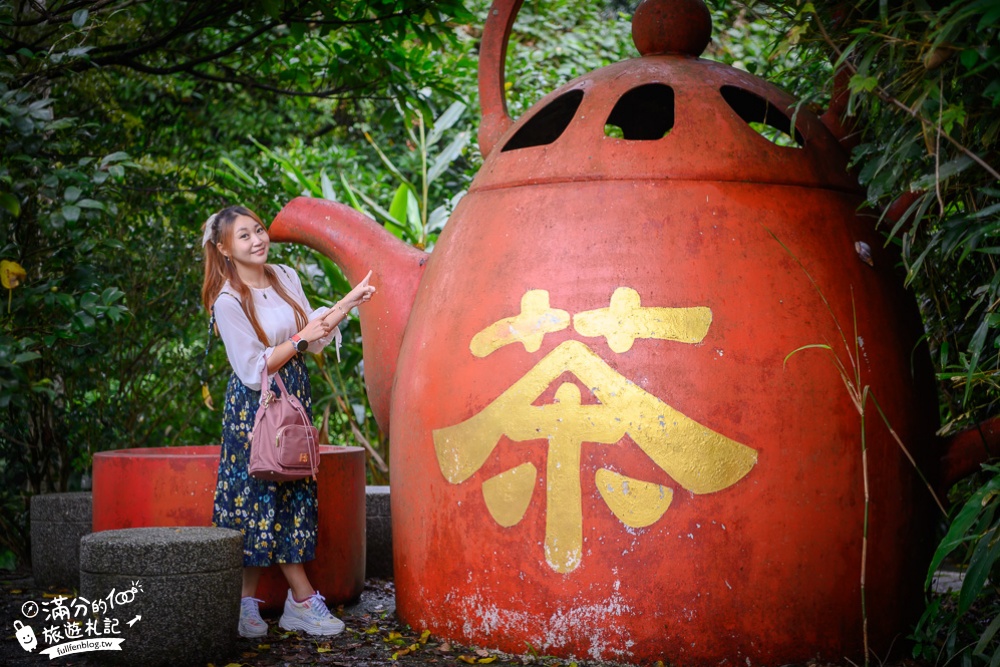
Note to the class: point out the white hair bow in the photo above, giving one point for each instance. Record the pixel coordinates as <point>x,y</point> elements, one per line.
<point>209,229</point>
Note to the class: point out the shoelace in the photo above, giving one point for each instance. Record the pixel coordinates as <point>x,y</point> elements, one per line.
<point>245,602</point>
<point>317,606</point>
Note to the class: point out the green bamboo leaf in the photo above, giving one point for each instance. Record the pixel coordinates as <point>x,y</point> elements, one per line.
<point>243,175</point>
<point>445,122</point>
<point>388,163</point>
<point>986,553</point>
<point>410,117</point>
<point>327,187</point>
<point>984,640</point>
<point>351,197</point>
<point>395,227</point>
<point>975,350</point>
<point>413,217</point>
<point>405,210</point>
<point>957,534</point>
<point>448,155</point>
<point>291,169</point>
<point>334,276</point>
<point>398,207</point>
<point>956,166</point>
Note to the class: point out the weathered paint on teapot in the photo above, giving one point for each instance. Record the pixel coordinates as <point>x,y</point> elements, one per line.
<point>602,444</point>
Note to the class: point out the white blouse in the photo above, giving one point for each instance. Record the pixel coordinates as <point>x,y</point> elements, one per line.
<point>247,355</point>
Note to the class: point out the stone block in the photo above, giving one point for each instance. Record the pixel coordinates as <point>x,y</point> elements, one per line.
<point>58,521</point>
<point>189,581</point>
<point>378,529</point>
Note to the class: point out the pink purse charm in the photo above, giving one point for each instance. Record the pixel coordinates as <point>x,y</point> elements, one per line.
<point>284,445</point>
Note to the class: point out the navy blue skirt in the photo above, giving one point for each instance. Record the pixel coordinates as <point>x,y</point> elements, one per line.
<point>277,519</point>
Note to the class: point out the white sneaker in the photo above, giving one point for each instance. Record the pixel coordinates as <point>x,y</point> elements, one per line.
<point>251,624</point>
<point>311,617</point>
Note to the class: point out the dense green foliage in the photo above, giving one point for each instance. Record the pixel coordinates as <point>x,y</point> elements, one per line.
<point>117,121</point>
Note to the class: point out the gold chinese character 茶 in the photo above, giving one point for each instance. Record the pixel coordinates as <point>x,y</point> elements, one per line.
<point>699,459</point>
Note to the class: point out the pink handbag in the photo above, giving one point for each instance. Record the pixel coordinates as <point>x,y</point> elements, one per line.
<point>284,444</point>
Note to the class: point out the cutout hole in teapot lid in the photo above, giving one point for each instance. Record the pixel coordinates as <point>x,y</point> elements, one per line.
<point>763,117</point>
<point>645,113</point>
<point>548,124</point>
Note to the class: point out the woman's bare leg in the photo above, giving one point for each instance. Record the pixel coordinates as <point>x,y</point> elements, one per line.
<point>295,573</point>
<point>251,575</point>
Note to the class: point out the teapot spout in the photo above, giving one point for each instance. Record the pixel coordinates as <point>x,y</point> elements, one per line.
<point>357,244</point>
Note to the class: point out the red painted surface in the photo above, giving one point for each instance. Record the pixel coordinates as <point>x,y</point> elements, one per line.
<point>712,215</point>
<point>683,27</point>
<point>175,486</point>
<point>344,235</point>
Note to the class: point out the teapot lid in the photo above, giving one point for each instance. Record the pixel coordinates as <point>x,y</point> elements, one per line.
<point>668,114</point>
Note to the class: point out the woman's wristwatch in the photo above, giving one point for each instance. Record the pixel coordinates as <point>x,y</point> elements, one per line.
<point>300,344</point>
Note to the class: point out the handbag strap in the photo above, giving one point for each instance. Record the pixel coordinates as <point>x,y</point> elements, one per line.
<point>265,387</point>
<point>203,367</point>
<point>265,391</point>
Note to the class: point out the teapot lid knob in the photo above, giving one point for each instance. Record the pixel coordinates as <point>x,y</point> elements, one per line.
<point>671,26</point>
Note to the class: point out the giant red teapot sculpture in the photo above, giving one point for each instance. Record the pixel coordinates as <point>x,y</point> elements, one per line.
<point>600,446</point>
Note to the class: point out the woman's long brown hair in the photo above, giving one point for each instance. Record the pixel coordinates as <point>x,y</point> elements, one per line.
<point>218,271</point>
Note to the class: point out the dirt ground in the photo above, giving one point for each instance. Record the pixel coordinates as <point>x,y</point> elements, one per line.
<point>374,636</point>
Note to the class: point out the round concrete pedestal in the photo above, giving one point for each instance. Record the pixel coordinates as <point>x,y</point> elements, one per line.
<point>175,486</point>
<point>181,585</point>
<point>58,521</point>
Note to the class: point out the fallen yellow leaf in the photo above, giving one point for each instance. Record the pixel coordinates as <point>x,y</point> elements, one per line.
<point>467,659</point>
<point>404,651</point>
<point>323,650</point>
<point>11,274</point>
<point>483,661</point>
<point>372,630</point>
<point>206,396</point>
<point>424,636</point>
<point>393,635</point>
<point>263,647</point>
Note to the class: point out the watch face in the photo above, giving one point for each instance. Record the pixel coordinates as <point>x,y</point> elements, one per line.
<point>302,345</point>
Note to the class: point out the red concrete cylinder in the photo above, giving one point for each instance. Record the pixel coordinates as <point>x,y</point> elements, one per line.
<point>175,486</point>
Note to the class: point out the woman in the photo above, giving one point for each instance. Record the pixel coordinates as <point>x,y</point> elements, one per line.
<point>263,317</point>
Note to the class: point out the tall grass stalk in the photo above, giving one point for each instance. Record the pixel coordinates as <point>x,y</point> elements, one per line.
<point>860,395</point>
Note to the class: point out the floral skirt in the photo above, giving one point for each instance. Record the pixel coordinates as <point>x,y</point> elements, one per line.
<point>277,519</point>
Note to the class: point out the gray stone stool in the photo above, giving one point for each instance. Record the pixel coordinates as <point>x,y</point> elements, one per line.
<point>378,529</point>
<point>58,521</point>
<point>189,582</point>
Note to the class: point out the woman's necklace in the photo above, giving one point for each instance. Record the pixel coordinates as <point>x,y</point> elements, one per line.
<point>261,289</point>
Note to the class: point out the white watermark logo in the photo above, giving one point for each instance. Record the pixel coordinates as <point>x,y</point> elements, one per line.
<point>77,625</point>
